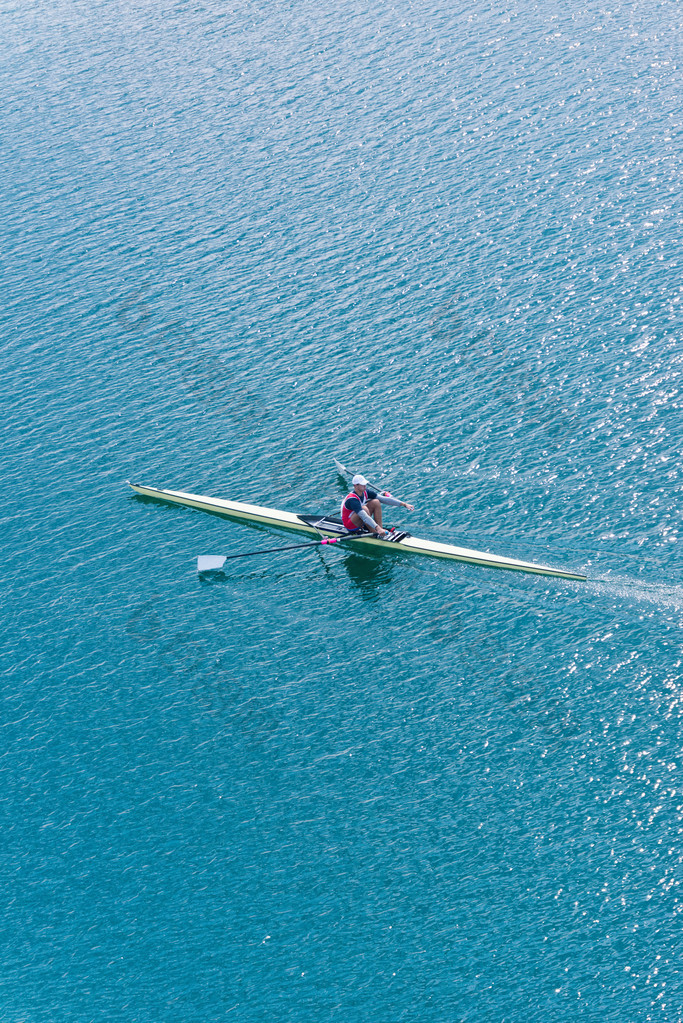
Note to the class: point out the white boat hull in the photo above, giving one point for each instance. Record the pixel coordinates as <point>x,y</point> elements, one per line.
<point>289,520</point>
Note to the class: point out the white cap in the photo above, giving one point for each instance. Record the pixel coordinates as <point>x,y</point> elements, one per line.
<point>359,481</point>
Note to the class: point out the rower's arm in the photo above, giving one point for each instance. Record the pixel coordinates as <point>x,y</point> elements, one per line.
<point>367,519</point>
<point>394,502</point>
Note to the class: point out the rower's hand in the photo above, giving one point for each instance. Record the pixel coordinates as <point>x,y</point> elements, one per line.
<point>410,507</point>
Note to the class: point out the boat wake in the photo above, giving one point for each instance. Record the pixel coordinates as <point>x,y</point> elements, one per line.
<point>658,594</point>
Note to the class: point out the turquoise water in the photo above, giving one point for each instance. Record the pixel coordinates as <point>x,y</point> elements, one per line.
<point>444,246</point>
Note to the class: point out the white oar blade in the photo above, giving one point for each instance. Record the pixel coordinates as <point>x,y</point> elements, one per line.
<point>345,473</point>
<point>209,562</point>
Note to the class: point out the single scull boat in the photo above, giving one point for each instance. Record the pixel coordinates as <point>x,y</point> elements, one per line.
<point>332,526</point>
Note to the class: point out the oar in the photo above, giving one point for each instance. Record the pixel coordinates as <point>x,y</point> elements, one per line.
<point>210,562</point>
<point>348,474</point>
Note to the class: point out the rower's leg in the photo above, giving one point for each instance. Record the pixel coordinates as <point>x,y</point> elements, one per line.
<point>374,508</point>
<point>357,520</point>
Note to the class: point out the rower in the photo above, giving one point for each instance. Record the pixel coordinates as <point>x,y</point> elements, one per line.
<point>363,507</point>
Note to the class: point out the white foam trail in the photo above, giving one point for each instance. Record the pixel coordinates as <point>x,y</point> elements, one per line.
<point>660,594</point>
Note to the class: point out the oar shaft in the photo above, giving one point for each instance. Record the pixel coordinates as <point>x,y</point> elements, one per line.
<point>289,547</point>
<point>211,562</point>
